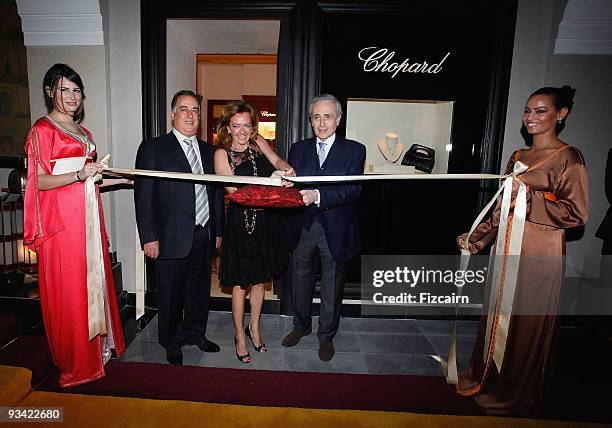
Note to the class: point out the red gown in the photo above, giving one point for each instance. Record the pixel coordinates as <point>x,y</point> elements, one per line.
<point>54,227</point>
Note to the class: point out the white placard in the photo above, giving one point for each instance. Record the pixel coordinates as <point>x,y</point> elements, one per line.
<point>65,165</point>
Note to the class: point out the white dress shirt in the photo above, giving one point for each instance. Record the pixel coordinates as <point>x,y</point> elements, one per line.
<point>194,142</point>
<point>328,144</point>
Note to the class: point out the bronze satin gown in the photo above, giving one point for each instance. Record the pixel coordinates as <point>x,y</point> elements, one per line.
<point>557,200</point>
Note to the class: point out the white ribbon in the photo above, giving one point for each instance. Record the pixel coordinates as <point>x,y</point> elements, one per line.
<point>506,264</point>
<point>264,181</point>
<point>96,280</point>
<point>449,367</point>
<point>275,181</point>
<point>139,278</point>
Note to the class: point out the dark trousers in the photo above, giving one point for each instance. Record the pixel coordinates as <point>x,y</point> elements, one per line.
<point>183,285</point>
<point>332,283</point>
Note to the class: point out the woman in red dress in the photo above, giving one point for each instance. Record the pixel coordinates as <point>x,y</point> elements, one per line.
<point>55,228</point>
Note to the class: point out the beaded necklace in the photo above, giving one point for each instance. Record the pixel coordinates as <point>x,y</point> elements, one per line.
<point>250,215</point>
<point>83,138</point>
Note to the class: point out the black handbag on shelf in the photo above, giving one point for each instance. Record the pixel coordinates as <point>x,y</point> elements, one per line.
<point>421,157</point>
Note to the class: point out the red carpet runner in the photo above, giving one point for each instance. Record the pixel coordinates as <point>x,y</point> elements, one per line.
<point>580,398</point>
<point>426,394</point>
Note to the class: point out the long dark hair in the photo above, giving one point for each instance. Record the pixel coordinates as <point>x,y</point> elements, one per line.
<point>52,80</point>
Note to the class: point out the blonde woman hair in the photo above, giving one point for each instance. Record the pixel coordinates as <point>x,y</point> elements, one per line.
<point>229,111</point>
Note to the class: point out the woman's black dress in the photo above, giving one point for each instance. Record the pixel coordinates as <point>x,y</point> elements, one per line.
<point>259,256</point>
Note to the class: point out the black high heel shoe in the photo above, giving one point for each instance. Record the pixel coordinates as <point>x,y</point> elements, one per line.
<point>242,358</point>
<point>259,348</point>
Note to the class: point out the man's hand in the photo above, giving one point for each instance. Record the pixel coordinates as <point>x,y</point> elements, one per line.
<point>309,196</point>
<point>218,242</point>
<point>151,249</point>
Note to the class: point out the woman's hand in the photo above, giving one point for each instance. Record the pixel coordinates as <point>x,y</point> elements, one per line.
<point>462,244</point>
<point>461,241</point>
<point>280,173</point>
<point>90,170</point>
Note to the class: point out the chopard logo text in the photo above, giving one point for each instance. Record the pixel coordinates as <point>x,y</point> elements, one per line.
<point>381,60</point>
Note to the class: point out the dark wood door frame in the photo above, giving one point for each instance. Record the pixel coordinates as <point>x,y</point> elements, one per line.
<point>298,73</point>
<point>299,61</point>
<point>299,55</point>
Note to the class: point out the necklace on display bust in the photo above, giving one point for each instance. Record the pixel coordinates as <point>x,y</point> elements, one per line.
<point>390,147</point>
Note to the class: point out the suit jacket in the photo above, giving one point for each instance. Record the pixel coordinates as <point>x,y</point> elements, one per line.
<point>165,209</point>
<point>605,228</point>
<point>336,213</point>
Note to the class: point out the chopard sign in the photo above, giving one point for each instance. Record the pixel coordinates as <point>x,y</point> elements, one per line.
<point>380,60</point>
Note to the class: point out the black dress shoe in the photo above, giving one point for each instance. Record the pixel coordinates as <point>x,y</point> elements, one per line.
<point>326,351</point>
<point>294,337</point>
<point>174,357</point>
<point>205,345</point>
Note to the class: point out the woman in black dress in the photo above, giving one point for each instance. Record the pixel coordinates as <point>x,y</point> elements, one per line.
<point>254,249</point>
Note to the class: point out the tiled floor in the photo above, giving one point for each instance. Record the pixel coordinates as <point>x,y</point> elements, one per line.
<point>363,345</point>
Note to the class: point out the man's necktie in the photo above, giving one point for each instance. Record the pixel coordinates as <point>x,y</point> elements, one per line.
<point>201,197</point>
<point>321,153</point>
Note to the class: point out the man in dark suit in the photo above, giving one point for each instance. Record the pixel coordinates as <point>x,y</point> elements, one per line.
<point>328,224</point>
<point>179,224</point>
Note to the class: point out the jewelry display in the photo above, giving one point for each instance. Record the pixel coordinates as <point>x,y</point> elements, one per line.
<point>390,147</point>
<point>379,123</point>
<point>250,215</point>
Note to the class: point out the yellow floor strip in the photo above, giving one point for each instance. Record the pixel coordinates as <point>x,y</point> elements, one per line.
<point>14,384</point>
<point>104,411</point>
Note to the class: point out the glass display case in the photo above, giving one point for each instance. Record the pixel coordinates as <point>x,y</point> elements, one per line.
<point>388,128</point>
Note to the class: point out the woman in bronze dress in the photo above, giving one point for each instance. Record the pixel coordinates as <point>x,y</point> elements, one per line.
<point>557,199</point>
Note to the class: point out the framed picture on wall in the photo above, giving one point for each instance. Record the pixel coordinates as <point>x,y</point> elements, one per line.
<point>14,90</point>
